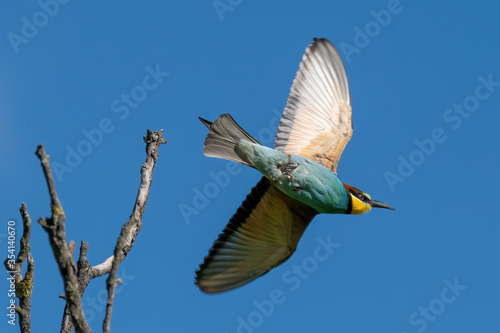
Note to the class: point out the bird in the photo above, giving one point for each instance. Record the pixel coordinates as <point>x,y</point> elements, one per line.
<point>299,176</point>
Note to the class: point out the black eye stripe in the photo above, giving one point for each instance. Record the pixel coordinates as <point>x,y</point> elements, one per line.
<point>358,195</point>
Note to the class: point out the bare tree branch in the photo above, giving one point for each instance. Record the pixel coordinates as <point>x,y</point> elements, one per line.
<point>63,252</point>
<point>132,227</point>
<point>86,272</point>
<point>25,239</point>
<point>24,287</point>
<point>84,275</point>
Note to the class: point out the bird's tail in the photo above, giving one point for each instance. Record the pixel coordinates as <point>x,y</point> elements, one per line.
<point>223,138</point>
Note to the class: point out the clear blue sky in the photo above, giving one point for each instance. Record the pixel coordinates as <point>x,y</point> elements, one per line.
<point>425,86</point>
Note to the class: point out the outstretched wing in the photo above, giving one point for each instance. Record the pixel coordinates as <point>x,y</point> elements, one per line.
<point>262,234</point>
<point>317,120</point>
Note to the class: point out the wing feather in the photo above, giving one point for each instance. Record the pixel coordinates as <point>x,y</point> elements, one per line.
<point>317,120</point>
<point>262,234</point>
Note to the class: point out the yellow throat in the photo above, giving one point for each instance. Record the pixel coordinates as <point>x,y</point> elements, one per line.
<point>358,206</point>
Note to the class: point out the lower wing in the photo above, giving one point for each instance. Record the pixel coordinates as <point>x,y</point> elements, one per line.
<point>263,233</point>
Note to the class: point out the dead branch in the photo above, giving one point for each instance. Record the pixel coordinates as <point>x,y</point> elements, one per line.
<point>24,287</point>
<point>86,272</point>
<point>132,227</point>
<point>55,227</point>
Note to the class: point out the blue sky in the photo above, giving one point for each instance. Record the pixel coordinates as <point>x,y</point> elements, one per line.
<point>425,86</point>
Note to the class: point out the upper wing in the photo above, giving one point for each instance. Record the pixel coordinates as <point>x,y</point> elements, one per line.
<point>317,120</point>
<point>262,234</point>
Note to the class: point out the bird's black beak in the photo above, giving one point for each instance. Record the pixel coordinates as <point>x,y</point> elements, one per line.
<point>375,203</point>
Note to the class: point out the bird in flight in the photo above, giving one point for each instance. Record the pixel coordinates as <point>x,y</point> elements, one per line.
<point>299,175</point>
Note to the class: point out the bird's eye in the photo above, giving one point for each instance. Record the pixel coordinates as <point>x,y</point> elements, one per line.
<point>361,197</point>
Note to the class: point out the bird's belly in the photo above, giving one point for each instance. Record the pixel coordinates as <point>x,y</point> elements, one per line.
<point>300,178</point>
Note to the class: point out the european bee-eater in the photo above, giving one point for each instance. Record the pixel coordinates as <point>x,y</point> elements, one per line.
<point>299,176</point>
